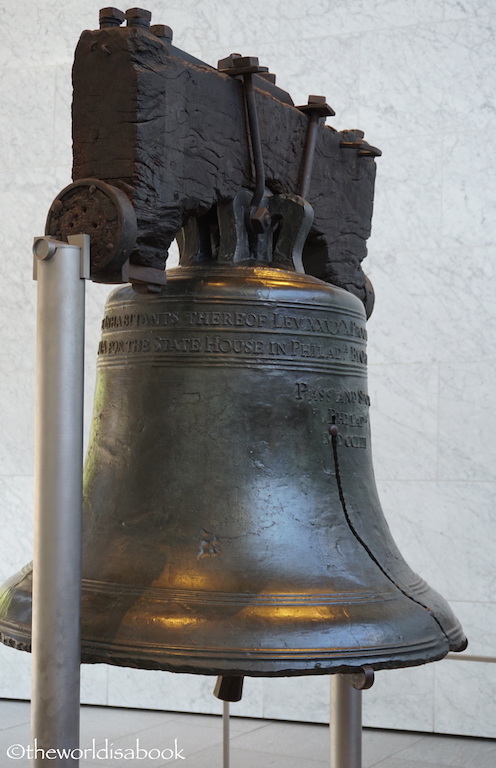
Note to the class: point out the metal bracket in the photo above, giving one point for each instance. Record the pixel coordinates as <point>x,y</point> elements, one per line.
<point>45,247</point>
<point>293,217</point>
<point>317,110</point>
<point>259,218</point>
<point>93,206</point>
<point>361,680</point>
<point>229,687</point>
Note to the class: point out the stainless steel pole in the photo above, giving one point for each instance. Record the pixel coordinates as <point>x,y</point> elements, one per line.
<point>345,724</point>
<point>56,634</point>
<point>225,734</point>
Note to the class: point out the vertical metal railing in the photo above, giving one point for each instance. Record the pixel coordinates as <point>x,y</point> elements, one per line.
<point>60,270</point>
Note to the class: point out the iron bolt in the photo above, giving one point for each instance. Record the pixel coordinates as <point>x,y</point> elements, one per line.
<point>138,17</point>
<point>161,30</point>
<point>240,65</point>
<point>228,62</point>
<point>318,106</point>
<point>111,17</point>
<point>260,220</point>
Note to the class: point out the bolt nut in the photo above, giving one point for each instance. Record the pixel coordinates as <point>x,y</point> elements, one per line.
<point>228,62</point>
<point>162,31</point>
<point>317,106</point>
<point>111,17</point>
<point>138,17</point>
<point>316,99</point>
<point>240,65</point>
<point>260,220</point>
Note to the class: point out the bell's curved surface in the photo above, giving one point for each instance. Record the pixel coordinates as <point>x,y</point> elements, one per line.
<point>226,530</point>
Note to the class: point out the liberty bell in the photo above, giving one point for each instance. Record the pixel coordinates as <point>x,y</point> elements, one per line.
<point>231,520</point>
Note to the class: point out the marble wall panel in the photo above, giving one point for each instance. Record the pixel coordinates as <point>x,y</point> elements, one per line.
<point>307,18</point>
<point>408,198</point>
<point>467,418</point>
<point>94,683</point>
<point>441,80</point>
<point>62,128</point>
<point>15,674</point>
<point>16,507</point>
<point>479,622</point>
<point>176,692</point>
<point>443,530</point>
<point>404,698</point>
<point>24,202</point>
<point>468,85</point>
<point>45,32</point>
<point>297,698</point>
<point>469,190</point>
<point>401,82</point>
<point>299,71</point>
<point>17,422</point>
<point>403,421</point>
<point>465,305</point>
<point>403,326</point>
<point>22,119</point>
<point>465,698</point>
<point>198,26</point>
<point>461,9</point>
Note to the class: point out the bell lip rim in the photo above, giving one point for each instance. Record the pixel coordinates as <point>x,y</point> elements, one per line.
<point>270,667</point>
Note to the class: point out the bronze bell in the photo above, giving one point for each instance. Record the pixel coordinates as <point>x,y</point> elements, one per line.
<point>231,519</point>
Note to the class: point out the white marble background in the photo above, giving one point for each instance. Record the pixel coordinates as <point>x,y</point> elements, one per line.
<point>419,77</point>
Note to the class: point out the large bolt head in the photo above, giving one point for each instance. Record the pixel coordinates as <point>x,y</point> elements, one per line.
<point>260,220</point>
<point>138,17</point>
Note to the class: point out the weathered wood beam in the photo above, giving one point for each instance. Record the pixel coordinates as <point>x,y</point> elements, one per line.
<point>171,132</point>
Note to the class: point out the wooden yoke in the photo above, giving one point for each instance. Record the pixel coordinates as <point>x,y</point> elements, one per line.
<point>171,133</point>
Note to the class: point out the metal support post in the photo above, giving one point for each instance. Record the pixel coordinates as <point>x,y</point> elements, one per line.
<point>346,717</point>
<point>60,269</point>
<point>225,734</point>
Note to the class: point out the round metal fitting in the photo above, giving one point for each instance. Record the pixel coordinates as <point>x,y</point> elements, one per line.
<point>260,220</point>
<point>43,249</point>
<point>104,212</point>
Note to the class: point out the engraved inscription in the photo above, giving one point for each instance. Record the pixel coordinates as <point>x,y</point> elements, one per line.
<point>324,325</point>
<point>226,319</point>
<point>272,333</point>
<point>341,418</point>
<point>352,396</point>
<point>348,421</point>
<point>139,320</point>
<point>174,344</point>
<point>313,394</point>
<point>225,346</point>
<point>235,344</point>
<point>351,441</point>
<point>300,348</point>
<point>303,391</point>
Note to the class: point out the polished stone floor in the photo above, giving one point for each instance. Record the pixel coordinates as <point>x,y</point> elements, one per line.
<point>116,738</point>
